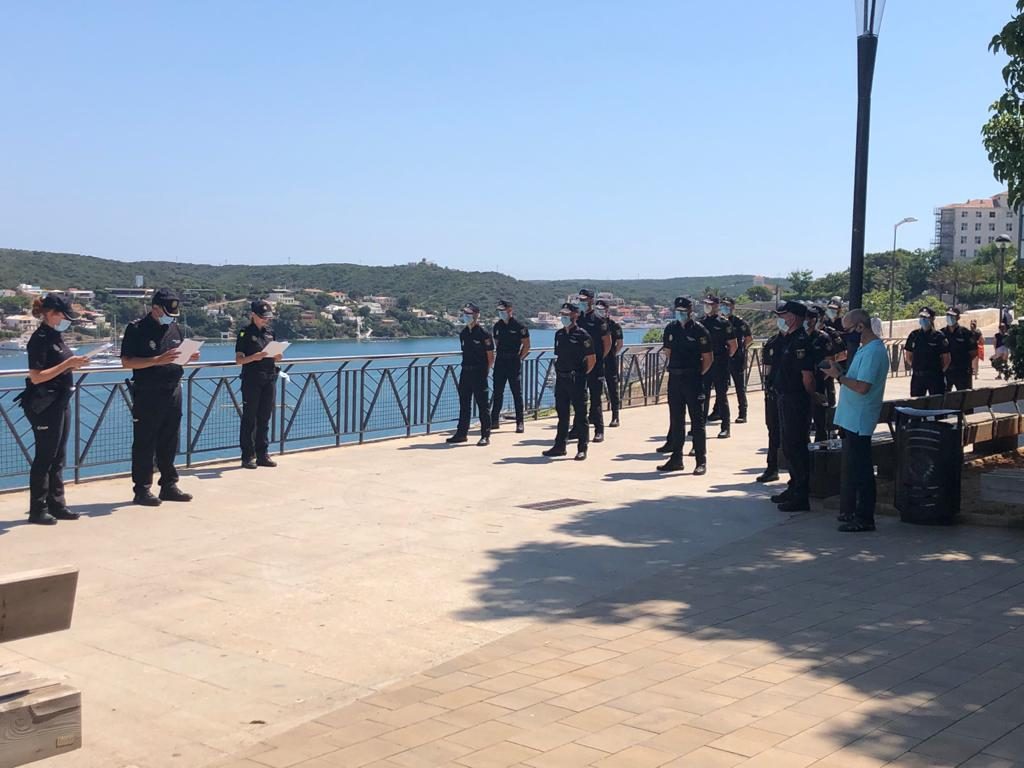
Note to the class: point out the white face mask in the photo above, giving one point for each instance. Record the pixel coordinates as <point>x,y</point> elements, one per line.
<point>726,311</point>
<point>832,313</point>
<point>62,326</point>
<point>166,319</point>
<point>502,314</point>
<point>601,313</point>
<point>566,321</point>
<point>682,315</point>
<point>466,319</point>
<point>950,320</point>
<point>783,326</point>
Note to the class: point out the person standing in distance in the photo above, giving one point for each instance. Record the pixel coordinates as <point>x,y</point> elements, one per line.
<point>259,376</point>
<point>611,361</point>
<point>46,402</point>
<point>597,327</point>
<point>738,362</point>
<point>477,359</point>
<point>149,350</point>
<point>512,343</point>
<point>769,353</point>
<point>834,315</point>
<point>927,354</point>
<point>687,345</point>
<point>793,380</point>
<point>574,362</point>
<point>723,347</point>
<point>821,351</point>
<point>963,348</point>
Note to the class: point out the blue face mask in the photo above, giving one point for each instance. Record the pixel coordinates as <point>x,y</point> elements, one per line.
<point>602,313</point>
<point>166,319</point>
<point>465,319</point>
<point>726,311</point>
<point>781,323</point>
<point>581,305</point>
<point>925,323</point>
<point>566,321</point>
<point>682,315</point>
<point>950,320</point>
<point>502,314</point>
<point>62,326</point>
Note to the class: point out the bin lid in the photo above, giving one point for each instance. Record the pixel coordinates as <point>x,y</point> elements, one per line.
<point>922,413</point>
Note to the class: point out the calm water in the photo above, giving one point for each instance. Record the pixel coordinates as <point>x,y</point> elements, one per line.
<point>215,351</point>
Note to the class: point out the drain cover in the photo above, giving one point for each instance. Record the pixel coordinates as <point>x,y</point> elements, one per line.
<point>544,506</point>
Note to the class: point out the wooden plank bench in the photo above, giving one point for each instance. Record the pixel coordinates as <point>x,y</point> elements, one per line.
<point>39,718</point>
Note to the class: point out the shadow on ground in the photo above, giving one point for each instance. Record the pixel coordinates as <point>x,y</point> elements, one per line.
<point>922,629</point>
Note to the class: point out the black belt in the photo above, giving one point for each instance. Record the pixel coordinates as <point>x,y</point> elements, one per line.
<point>683,370</point>
<point>568,374</point>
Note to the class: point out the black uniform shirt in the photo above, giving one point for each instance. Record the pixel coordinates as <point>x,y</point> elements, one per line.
<point>146,337</point>
<point>46,348</point>
<point>793,357</point>
<point>250,341</point>
<point>597,328</point>
<point>927,347</point>
<point>822,348</point>
<point>769,355</point>
<point>509,336</point>
<point>572,345</point>
<point>686,344</point>
<point>616,332</point>
<point>741,329</point>
<point>476,343</point>
<point>1001,339</point>
<point>722,332</point>
<point>963,348</point>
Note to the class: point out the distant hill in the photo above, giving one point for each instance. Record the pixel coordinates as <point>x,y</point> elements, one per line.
<point>424,284</point>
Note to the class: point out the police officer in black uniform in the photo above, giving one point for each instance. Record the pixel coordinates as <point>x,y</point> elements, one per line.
<point>927,354</point>
<point>769,353</point>
<point>574,362</point>
<point>45,401</point>
<point>738,362</point>
<point>834,313</point>
<point>821,350</point>
<point>259,375</point>
<point>477,359</point>
<point>963,350</point>
<point>512,345</point>
<point>597,327</point>
<point>793,381</point>
<point>611,361</point>
<point>687,345</point>
<point>150,350</point>
<point>723,346</point>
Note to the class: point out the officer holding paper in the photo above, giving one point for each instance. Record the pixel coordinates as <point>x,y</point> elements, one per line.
<point>259,377</point>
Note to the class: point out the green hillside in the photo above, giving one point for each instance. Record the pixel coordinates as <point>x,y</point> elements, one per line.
<point>424,284</point>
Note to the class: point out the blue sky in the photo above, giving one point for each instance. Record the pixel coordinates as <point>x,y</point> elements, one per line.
<point>545,138</point>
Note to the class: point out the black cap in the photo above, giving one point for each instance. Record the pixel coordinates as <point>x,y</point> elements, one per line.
<point>168,301</point>
<point>729,300</point>
<point>262,308</point>
<point>798,309</point>
<point>586,293</point>
<point>60,304</point>
<point>813,310</point>
<point>471,308</point>
<point>711,299</point>
<point>927,312</point>
<point>953,311</point>
<point>682,302</point>
<point>601,303</point>
<point>502,304</point>
<point>569,308</point>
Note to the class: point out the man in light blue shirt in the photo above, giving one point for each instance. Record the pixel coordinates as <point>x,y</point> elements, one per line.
<point>860,402</point>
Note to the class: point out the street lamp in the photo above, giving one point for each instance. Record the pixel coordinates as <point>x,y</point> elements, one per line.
<point>1002,242</point>
<point>892,270</point>
<point>869,22</point>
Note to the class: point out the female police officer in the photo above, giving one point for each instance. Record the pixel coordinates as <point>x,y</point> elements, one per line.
<point>46,402</point>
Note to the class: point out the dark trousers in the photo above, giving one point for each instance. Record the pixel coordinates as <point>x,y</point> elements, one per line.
<point>258,393</point>
<point>571,391</point>
<point>46,478</point>
<point>820,413</point>
<point>686,394</point>
<point>156,417</point>
<point>927,383</point>
<point>958,380</point>
<point>718,379</point>
<point>857,481</point>
<point>794,415</point>
<point>611,380</point>
<point>771,420</point>
<point>507,370</point>
<point>595,384</point>
<point>473,386</point>
<point>738,373</point>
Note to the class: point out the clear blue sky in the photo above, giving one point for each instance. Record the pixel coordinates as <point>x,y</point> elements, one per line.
<point>547,138</point>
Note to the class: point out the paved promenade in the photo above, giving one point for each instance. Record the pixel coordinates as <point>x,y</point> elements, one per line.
<point>396,605</point>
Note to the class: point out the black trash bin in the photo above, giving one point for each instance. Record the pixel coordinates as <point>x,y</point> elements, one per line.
<point>929,460</point>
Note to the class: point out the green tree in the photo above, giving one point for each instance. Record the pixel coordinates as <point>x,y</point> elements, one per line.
<point>974,274</point>
<point>653,336</point>
<point>759,293</point>
<point>14,305</point>
<point>799,282</point>
<point>1004,132</point>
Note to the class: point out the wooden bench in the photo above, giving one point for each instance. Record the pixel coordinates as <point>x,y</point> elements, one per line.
<point>988,430</point>
<point>39,718</point>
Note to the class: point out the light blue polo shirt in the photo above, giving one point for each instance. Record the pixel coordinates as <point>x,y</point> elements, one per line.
<point>859,413</point>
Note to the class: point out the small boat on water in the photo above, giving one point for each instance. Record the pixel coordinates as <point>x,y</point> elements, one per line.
<point>19,344</point>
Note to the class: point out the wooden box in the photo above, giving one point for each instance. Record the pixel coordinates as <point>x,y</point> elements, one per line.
<point>38,718</point>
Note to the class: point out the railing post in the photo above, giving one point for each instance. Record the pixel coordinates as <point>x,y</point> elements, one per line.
<point>282,409</point>
<point>408,396</point>
<point>188,418</point>
<point>362,402</point>
<point>337,402</point>
<point>78,427</point>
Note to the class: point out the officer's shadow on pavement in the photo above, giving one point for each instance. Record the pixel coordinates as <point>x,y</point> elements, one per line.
<point>529,460</point>
<point>613,477</point>
<point>442,446</point>
<point>651,456</point>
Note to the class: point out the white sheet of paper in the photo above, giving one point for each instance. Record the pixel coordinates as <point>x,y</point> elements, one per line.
<point>93,352</point>
<point>275,348</point>
<point>186,349</point>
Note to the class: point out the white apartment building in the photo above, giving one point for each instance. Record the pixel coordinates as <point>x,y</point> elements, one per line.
<point>962,229</point>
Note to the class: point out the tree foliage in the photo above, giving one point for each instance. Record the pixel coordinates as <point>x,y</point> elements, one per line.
<point>1003,134</point>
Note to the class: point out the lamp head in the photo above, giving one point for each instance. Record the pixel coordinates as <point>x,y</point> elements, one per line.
<point>869,16</point>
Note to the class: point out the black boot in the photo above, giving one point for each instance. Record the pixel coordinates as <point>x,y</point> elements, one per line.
<point>174,493</point>
<point>768,476</point>
<point>666,448</point>
<point>457,438</point>
<point>265,461</point>
<point>144,497</point>
<point>41,517</point>
<point>248,463</point>
<point>61,512</point>
<point>555,450</point>
<point>674,464</point>
<point>615,420</point>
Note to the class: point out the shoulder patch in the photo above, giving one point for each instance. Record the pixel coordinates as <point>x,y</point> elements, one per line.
<point>587,343</point>
<point>488,343</point>
<point>801,353</point>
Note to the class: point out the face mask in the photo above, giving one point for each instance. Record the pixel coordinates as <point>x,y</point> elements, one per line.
<point>465,319</point>
<point>581,305</point>
<point>807,326</point>
<point>166,319</point>
<point>602,313</point>
<point>62,326</point>
<point>925,323</point>
<point>950,320</point>
<point>566,321</point>
<point>783,326</point>
<point>726,311</point>
<point>682,316</point>
<point>832,314</point>
<point>502,314</point>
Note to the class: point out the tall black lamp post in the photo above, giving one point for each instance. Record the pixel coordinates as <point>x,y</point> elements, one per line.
<point>1002,242</point>
<point>869,21</point>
